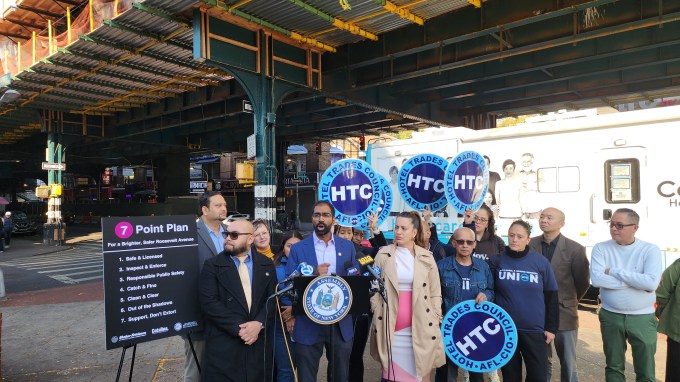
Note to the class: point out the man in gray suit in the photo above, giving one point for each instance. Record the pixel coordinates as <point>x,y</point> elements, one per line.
<point>570,265</point>
<point>212,211</point>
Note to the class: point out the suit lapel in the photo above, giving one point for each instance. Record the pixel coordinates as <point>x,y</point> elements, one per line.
<point>560,249</point>
<point>310,252</point>
<point>231,281</point>
<point>390,271</point>
<point>260,278</point>
<point>204,234</point>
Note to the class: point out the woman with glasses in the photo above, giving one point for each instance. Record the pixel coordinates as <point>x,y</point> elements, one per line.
<point>262,238</point>
<point>405,335</point>
<point>489,245</point>
<point>525,287</point>
<point>284,349</point>
<point>463,278</point>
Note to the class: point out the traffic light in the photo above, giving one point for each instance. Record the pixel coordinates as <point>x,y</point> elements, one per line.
<point>318,148</point>
<point>362,143</point>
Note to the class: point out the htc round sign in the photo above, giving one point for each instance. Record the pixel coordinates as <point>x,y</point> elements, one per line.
<point>348,185</point>
<point>479,337</point>
<point>467,180</point>
<point>421,182</point>
<point>386,201</point>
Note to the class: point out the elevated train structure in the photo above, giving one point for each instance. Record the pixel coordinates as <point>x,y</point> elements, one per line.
<point>102,83</point>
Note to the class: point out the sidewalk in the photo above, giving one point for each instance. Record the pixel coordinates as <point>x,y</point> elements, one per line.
<point>57,334</point>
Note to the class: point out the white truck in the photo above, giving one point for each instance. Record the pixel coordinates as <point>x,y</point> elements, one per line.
<point>584,163</point>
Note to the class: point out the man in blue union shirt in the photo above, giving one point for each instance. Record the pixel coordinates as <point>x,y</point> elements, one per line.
<point>463,277</point>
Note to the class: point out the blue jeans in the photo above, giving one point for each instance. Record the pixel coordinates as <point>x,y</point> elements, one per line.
<point>284,370</point>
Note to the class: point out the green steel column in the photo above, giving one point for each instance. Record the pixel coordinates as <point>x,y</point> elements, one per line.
<point>264,120</point>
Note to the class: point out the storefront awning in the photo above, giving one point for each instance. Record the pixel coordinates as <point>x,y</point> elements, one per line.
<point>296,150</point>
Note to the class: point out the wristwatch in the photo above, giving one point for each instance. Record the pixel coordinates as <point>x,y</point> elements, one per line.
<point>261,326</point>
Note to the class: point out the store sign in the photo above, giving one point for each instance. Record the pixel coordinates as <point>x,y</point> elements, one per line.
<point>198,186</point>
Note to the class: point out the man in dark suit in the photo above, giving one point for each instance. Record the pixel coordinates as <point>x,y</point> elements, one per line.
<point>212,211</point>
<point>328,254</point>
<point>570,265</point>
<point>233,288</point>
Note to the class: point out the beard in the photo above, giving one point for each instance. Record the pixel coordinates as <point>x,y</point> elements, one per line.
<point>322,231</point>
<point>235,250</point>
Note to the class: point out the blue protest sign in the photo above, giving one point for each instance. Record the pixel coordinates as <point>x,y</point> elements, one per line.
<point>467,180</point>
<point>348,185</point>
<point>386,201</point>
<point>421,182</point>
<point>479,337</point>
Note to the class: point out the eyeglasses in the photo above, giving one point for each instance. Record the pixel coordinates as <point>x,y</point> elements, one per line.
<point>326,215</point>
<point>480,219</point>
<point>461,242</point>
<point>233,235</point>
<point>619,226</point>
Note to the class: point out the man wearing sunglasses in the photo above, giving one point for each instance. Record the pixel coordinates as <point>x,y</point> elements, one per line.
<point>233,292</point>
<point>627,270</point>
<point>212,210</point>
<point>570,265</point>
<point>463,277</point>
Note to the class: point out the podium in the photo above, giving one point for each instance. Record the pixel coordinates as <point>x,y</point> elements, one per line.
<point>359,285</point>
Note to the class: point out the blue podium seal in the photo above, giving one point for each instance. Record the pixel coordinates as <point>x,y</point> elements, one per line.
<point>421,182</point>
<point>467,180</point>
<point>327,299</point>
<point>349,186</point>
<point>479,337</point>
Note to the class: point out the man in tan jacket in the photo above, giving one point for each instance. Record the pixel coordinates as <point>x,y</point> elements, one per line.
<point>570,265</point>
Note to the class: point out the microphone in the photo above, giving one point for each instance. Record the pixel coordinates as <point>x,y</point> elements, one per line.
<point>282,291</point>
<point>300,271</point>
<point>376,272</point>
<point>350,269</point>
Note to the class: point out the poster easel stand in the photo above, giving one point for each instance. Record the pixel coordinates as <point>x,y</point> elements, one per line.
<point>191,345</point>
<point>122,359</point>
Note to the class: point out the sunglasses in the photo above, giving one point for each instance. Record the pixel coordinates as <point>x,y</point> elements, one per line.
<point>461,242</point>
<point>619,226</point>
<point>233,235</point>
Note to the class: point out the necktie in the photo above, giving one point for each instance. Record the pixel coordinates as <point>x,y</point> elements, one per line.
<point>245,279</point>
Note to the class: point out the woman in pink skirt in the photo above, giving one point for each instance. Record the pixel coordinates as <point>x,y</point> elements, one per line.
<point>405,335</point>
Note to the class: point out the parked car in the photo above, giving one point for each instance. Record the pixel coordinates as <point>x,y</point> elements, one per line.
<point>22,224</point>
<point>236,216</point>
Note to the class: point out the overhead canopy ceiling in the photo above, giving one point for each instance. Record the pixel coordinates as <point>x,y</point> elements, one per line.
<point>131,86</point>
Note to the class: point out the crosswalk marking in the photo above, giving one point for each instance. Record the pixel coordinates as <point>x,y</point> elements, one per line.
<point>73,266</point>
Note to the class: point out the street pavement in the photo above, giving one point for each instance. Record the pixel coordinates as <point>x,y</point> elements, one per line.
<point>55,331</point>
